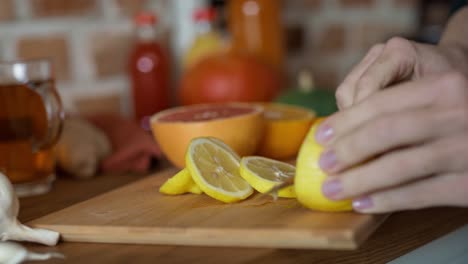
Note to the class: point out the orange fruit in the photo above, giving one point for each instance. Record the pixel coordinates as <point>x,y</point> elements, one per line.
<point>239,125</point>
<point>285,128</point>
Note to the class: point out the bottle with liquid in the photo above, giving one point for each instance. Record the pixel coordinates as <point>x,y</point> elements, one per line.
<point>207,40</point>
<point>149,70</point>
<point>256,28</point>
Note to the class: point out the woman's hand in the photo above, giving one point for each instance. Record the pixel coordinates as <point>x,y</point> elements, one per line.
<point>411,144</point>
<point>396,61</point>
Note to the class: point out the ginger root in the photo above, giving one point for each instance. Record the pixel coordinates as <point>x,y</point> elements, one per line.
<point>81,148</point>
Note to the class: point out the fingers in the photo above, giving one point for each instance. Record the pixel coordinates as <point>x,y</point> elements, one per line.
<point>394,118</point>
<point>395,63</point>
<point>385,65</point>
<point>441,190</point>
<point>405,96</point>
<point>382,66</point>
<point>396,130</point>
<point>446,155</point>
<point>345,92</point>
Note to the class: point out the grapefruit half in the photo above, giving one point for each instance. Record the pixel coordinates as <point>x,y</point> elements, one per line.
<point>239,125</point>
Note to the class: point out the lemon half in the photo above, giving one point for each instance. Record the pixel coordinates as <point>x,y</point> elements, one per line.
<point>309,177</point>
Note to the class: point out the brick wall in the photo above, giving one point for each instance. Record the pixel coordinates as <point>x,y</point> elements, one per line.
<point>337,33</point>
<point>89,40</point>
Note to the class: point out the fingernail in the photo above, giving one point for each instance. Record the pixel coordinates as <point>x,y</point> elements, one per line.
<point>362,203</point>
<point>324,133</point>
<point>328,160</point>
<point>331,188</point>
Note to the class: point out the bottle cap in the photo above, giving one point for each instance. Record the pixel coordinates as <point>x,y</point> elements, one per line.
<point>145,18</point>
<point>204,14</point>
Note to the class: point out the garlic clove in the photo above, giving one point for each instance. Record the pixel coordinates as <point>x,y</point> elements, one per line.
<point>9,203</point>
<point>10,227</point>
<point>20,232</point>
<point>13,253</point>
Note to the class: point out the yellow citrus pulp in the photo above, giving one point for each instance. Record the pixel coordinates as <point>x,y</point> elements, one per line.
<point>263,174</point>
<point>215,169</point>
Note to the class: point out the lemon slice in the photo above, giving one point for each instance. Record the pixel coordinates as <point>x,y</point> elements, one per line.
<point>309,177</point>
<point>215,170</point>
<point>180,183</point>
<point>220,143</point>
<point>264,174</point>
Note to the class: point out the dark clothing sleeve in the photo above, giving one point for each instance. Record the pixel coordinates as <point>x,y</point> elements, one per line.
<point>457,4</point>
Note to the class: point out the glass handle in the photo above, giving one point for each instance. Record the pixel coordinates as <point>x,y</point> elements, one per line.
<point>54,113</point>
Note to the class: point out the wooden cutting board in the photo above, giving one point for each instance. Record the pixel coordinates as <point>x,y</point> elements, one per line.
<point>138,213</point>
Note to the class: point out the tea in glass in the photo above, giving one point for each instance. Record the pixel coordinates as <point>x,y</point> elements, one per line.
<point>30,122</point>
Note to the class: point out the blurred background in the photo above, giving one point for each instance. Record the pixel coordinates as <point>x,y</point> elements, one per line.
<point>91,41</point>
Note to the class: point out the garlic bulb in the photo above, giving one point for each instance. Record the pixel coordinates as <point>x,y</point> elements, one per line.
<point>10,227</point>
<point>12,253</point>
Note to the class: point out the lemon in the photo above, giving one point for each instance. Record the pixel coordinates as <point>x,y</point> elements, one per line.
<point>220,143</point>
<point>309,177</point>
<point>263,174</point>
<point>180,183</point>
<point>215,169</point>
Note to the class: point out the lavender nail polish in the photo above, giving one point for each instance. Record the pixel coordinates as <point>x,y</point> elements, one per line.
<point>324,133</point>
<point>331,188</point>
<point>362,203</point>
<point>328,160</point>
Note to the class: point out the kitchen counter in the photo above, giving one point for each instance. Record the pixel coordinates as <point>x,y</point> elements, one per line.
<point>400,234</point>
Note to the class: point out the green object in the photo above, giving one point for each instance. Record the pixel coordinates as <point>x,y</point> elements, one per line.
<point>321,101</point>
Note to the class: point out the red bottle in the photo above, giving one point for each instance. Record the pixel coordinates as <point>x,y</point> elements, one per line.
<point>149,68</point>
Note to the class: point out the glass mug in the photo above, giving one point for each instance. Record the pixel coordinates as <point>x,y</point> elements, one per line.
<point>31,117</point>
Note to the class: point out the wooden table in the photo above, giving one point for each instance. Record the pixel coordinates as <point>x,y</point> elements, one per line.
<point>401,233</point>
